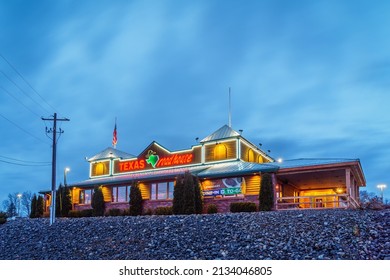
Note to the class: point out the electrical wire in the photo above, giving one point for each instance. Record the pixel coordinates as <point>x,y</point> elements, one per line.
<point>19,101</point>
<point>25,80</point>
<point>24,164</point>
<point>25,161</point>
<point>25,93</point>
<point>22,129</point>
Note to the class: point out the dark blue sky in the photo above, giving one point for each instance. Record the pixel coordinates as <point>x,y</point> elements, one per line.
<point>309,79</point>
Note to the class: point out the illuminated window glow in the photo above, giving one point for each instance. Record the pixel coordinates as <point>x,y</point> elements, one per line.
<point>220,152</point>
<point>85,196</point>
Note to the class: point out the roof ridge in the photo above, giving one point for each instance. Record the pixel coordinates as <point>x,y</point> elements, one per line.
<point>223,132</point>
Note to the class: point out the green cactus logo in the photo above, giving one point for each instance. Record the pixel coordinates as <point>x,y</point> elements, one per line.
<point>152,158</point>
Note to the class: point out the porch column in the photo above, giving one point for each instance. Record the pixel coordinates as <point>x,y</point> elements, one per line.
<point>348,183</point>
<point>274,182</point>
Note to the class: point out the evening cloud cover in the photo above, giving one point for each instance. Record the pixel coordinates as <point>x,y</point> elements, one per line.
<point>309,79</point>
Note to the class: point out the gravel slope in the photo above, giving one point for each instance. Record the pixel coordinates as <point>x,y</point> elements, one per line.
<point>321,234</point>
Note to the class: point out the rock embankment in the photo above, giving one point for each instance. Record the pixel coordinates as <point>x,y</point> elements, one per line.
<point>321,234</point>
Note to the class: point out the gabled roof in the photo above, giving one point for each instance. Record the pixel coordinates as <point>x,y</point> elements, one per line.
<point>111,153</point>
<point>222,133</point>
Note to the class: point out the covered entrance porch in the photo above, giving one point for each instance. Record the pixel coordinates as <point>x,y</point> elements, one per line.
<point>319,186</point>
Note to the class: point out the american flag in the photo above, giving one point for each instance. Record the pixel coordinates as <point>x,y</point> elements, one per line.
<point>114,137</point>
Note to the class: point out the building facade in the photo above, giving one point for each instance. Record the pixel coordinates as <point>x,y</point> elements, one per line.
<point>229,169</point>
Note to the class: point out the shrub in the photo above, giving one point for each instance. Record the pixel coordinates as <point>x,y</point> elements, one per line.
<point>40,206</point>
<point>370,201</point>
<point>114,212</point>
<point>81,213</point>
<point>135,203</point>
<point>3,218</point>
<point>178,196</point>
<point>243,207</point>
<point>266,195</point>
<point>164,210</point>
<point>63,201</point>
<point>74,214</point>
<point>212,209</point>
<point>87,213</point>
<point>36,207</point>
<point>126,212</point>
<point>187,196</point>
<point>198,196</point>
<point>33,210</point>
<point>98,204</point>
<point>148,212</point>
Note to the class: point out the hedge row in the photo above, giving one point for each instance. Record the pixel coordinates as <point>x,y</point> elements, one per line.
<point>3,218</point>
<point>243,207</point>
<point>235,207</point>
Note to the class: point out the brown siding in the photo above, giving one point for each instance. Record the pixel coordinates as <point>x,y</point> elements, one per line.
<point>197,154</point>
<point>252,185</point>
<point>107,194</point>
<point>145,190</point>
<point>75,195</point>
<point>288,190</point>
<point>256,156</point>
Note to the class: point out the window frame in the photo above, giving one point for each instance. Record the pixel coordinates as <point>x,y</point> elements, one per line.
<point>84,194</point>
<point>168,193</point>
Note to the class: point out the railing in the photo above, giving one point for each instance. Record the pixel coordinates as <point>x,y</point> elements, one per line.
<point>316,202</point>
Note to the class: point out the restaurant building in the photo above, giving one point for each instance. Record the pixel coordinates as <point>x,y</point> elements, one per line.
<point>229,168</point>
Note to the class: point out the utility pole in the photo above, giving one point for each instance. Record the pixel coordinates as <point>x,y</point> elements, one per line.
<point>53,163</point>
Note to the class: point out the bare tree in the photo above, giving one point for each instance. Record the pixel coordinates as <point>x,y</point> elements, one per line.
<point>26,202</point>
<point>5,205</point>
<point>13,204</point>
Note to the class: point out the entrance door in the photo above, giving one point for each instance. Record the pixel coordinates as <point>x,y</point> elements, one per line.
<point>319,203</point>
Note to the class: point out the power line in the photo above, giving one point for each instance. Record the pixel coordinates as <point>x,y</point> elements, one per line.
<point>14,97</point>
<point>22,129</point>
<point>25,161</point>
<point>24,164</point>
<point>20,75</point>
<point>25,93</point>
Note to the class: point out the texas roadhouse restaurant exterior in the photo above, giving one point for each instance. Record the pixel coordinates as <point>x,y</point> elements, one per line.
<point>229,168</point>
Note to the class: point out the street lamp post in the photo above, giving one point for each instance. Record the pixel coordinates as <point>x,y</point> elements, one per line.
<point>66,170</point>
<point>19,195</point>
<point>381,187</point>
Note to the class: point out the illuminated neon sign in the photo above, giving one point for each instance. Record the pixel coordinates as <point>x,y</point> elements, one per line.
<point>126,166</point>
<point>153,160</point>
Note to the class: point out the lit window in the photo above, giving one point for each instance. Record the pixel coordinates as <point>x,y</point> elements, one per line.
<point>220,152</point>
<point>85,196</point>
<point>251,155</point>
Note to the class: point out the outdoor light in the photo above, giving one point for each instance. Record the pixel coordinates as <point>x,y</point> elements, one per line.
<point>66,170</point>
<point>339,190</point>
<point>280,160</point>
<point>381,187</point>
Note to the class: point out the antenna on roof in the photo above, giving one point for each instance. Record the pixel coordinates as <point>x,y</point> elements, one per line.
<point>230,111</point>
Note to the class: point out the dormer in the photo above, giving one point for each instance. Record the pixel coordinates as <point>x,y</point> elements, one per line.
<point>226,144</point>
<point>101,163</point>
